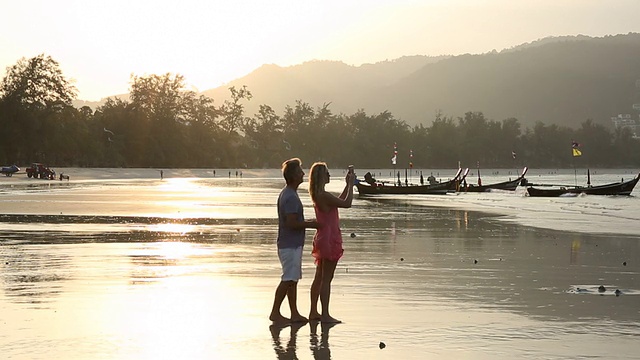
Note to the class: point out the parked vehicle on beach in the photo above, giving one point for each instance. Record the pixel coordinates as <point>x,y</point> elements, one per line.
<point>40,171</point>
<point>9,170</point>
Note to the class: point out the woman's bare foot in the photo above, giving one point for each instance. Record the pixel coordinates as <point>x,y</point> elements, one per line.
<point>314,315</point>
<point>279,319</point>
<point>299,319</point>
<point>329,319</point>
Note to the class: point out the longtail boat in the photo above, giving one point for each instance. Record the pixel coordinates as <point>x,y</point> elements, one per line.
<point>370,186</point>
<point>617,188</point>
<point>509,185</point>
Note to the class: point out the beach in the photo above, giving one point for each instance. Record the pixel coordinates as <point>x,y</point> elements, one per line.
<point>119,264</point>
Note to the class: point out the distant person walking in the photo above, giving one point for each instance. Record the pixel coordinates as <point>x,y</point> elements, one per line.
<point>161,174</point>
<point>327,242</point>
<point>291,231</point>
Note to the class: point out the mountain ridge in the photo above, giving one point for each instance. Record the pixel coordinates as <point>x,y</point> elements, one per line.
<point>561,80</point>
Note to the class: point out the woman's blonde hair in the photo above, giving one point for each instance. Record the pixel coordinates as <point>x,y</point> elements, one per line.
<point>315,179</point>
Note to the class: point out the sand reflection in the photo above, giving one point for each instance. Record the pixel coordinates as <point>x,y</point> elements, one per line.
<point>319,344</point>
<point>31,275</point>
<point>288,351</point>
<point>93,275</point>
<point>320,347</point>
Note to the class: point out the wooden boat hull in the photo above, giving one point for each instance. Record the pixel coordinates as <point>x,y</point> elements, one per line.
<point>385,188</point>
<point>507,186</point>
<point>510,185</point>
<point>621,188</point>
<point>382,189</point>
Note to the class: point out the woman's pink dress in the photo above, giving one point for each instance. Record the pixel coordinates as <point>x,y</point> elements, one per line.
<point>327,242</point>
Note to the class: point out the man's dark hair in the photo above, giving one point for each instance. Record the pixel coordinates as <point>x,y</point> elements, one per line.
<point>289,169</point>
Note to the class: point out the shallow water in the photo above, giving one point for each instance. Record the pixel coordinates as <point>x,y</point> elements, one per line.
<point>128,266</point>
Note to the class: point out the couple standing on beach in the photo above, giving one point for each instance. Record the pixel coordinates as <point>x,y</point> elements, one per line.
<point>327,242</point>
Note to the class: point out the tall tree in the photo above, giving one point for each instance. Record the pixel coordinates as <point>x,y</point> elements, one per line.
<point>233,119</point>
<point>32,91</point>
<point>443,142</point>
<point>160,99</point>
<point>37,82</point>
<point>597,143</point>
<point>264,135</point>
<point>296,121</point>
<point>202,129</point>
<point>233,110</point>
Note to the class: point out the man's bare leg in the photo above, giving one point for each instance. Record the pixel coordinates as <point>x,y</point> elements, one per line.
<point>292,296</point>
<point>281,291</point>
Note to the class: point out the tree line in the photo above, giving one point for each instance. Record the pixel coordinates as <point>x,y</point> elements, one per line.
<point>165,125</point>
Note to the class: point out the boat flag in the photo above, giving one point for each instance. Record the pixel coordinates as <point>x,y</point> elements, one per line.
<point>574,148</point>
<point>411,159</point>
<point>395,154</point>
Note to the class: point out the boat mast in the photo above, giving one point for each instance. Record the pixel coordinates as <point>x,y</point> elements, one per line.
<point>394,160</point>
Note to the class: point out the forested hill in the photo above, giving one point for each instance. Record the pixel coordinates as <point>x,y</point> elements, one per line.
<point>560,81</point>
<point>319,82</point>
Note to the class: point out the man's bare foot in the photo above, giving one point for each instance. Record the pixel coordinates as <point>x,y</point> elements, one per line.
<point>329,319</point>
<point>279,319</point>
<point>299,319</point>
<point>314,315</point>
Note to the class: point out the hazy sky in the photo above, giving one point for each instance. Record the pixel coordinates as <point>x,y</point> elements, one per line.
<point>99,44</point>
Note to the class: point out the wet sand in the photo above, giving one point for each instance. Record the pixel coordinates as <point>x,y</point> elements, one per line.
<point>427,282</point>
<point>483,291</point>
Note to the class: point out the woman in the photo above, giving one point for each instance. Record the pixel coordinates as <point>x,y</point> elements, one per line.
<point>327,242</point>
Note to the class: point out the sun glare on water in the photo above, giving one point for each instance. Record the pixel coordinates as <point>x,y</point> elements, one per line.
<point>188,198</point>
<point>173,228</point>
<point>178,185</point>
<point>176,250</point>
<point>176,290</point>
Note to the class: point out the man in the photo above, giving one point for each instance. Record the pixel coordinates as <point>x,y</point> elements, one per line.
<point>291,229</point>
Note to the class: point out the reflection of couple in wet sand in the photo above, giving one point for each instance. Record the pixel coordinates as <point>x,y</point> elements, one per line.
<point>319,345</point>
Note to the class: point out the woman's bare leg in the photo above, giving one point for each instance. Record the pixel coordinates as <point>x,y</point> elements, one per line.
<point>315,292</point>
<point>328,269</point>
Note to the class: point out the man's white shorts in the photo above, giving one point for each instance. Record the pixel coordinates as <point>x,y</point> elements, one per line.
<point>291,261</point>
